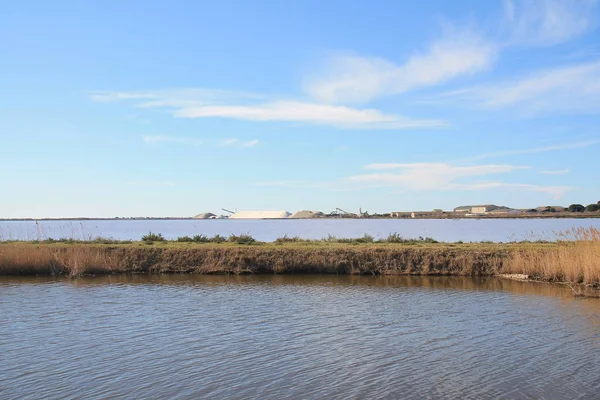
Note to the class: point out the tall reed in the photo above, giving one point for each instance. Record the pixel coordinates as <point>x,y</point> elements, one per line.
<point>575,258</point>
<point>20,259</point>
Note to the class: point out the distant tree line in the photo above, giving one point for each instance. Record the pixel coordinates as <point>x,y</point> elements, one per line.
<point>581,208</point>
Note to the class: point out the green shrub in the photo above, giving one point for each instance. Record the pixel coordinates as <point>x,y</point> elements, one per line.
<point>200,239</point>
<point>242,239</point>
<point>289,239</point>
<point>152,237</point>
<point>576,208</point>
<point>218,239</point>
<point>394,238</point>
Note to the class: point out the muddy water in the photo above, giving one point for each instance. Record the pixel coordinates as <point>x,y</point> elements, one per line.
<point>295,337</point>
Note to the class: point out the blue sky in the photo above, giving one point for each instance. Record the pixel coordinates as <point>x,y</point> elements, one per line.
<point>131,108</point>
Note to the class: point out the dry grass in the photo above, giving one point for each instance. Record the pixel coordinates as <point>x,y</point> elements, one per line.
<point>231,258</point>
<point>31,259</point>
<point>575,258</point>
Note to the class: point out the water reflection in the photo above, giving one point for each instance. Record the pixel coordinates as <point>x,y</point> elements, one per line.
<point>466,283</point>
<point>295,336</point>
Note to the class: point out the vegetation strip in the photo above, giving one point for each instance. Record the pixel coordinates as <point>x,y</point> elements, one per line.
<point>576,260</point>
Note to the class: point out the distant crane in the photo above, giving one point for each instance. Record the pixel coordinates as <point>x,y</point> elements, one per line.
<point>341,211</point>
<point>229,211</point>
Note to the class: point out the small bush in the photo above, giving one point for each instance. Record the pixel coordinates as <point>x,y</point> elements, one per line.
<point>152,237</point>
<point>288,239</point>
<point>200,239</point>
<point>366,238</point>
<point>218,239</point>
<point>394,238</point>
<point>242,239</point>
<point>185,239</point>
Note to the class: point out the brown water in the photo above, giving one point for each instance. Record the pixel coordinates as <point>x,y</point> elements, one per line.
<point>261,337</point>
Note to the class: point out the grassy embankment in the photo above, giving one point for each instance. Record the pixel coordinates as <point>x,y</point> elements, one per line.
<point>575,258</point>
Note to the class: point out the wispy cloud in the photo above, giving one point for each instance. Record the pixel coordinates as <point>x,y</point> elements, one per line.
<point>556,192</point>
<point>547,22</point>
<point>238,142</point>
<point>199,142</point>
<point>202,103</point>
<point>294,111</point>
<point>428,175</point>
<point>556,172</point>
<point>572,89</point>
<point>150,183</point>
<point>174,139</point>
<point>350,78</point>
<point>543,149</point>
<point>444,176</point>
<point>288,183</point>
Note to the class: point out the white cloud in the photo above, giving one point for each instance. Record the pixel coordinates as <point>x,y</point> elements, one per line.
<point>547,22</point>
<point>572,89</point>
<point>200,103</point>
<point>174,139</point>
<point>294,111</point>
<point>250,143</point>
<point>556,172</point>
<point>556,192</point>
<point>199,142</point>
<point>150,183</point>
<point>238,142</point>
<point>102,96</point>
<point>543,149</point>
<point>352,78</point>
<point>443,176</point>
<point>428,175</point>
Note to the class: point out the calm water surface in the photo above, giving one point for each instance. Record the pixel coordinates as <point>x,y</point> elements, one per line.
<point>305,336</point>
<point>468,230</point>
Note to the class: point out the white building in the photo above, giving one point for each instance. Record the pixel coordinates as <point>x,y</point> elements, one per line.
<point>260,215</point>
<point>483,209</point>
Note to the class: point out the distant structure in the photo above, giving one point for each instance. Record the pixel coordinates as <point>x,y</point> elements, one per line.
<point>400,214</point>
<point>206,215</point>
<point>305,214</point>
<point>478,209</point>
<point>483,208</point>
<point>260,215</point>
<point>504,212</point>
<point>463,209</point>
<point>550,209</point>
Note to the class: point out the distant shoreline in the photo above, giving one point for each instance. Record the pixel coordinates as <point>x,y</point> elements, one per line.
<point>447,216</point>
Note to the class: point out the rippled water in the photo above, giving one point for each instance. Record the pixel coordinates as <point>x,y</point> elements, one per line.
<point>468,230</point>
<point>295,337</point>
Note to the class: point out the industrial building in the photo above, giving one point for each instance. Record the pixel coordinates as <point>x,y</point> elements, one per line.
<point>260,215</point>
<point>478,209</point>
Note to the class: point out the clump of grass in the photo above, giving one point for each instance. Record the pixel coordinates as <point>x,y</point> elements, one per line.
<point>394,238</point>
<point>201,239</point>
<point>241,239</point>
<point>397,238</point>
<point>153,237</point>
<point>366,238</point>
<point>103,240</point>
<point>289,239</point>
<point>218,239</point>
